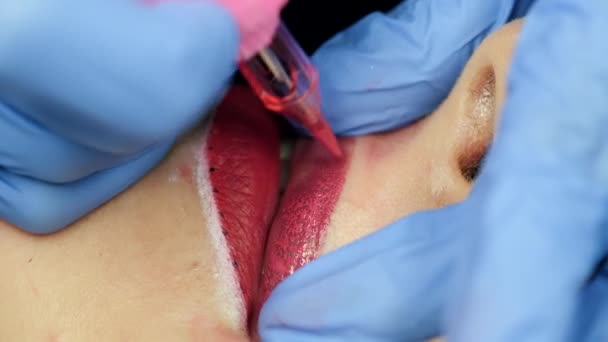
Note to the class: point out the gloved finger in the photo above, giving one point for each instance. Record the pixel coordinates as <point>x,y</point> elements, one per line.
<point>592,316</point>
<point>545,185</point>
<point>33,151</point>
<point>43,208</point>
<point>389,70</point>
<point>132,71</point>
<point>389,286</point>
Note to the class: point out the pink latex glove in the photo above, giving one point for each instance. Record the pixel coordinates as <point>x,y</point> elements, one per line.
<point>257,20</point>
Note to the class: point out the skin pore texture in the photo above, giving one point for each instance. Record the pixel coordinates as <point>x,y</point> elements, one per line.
<point>167,260</point>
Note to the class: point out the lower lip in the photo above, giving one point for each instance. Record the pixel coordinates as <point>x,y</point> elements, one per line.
<point>297,232</point>
<point>243,164</point>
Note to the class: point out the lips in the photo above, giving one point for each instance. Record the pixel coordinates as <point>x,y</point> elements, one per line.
<point>241,165</point>
<point>297,232</point>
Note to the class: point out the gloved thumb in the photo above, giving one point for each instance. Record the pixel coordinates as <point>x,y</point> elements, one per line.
<point>132,75</point>
<point>390,69</point>
<point>400,275</point>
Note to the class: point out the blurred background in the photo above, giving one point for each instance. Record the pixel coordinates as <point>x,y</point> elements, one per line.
<point>313,22</point>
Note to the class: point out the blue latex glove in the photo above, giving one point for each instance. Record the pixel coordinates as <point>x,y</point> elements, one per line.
<point>94,93</point>
<point>520,260</point>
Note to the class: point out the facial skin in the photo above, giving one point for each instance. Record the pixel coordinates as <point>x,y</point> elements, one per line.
<point>431,163</point>
<point>143,266</point>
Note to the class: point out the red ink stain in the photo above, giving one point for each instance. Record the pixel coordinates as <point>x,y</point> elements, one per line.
<point>381,145</point>
<point>53,337</point>
<point>185,172</point>
<point>204,328</point>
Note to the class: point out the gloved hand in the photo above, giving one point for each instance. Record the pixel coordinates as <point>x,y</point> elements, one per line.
<point>524,257</point>
<point>93,94</point>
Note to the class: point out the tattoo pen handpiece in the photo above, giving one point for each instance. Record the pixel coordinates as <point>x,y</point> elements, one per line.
<point>288,83</point>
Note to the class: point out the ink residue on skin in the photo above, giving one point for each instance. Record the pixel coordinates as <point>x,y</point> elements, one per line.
<point>380,146</point>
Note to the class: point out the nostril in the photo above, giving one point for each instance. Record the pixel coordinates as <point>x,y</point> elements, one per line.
<point>470,163</point>
<point>478,123</point>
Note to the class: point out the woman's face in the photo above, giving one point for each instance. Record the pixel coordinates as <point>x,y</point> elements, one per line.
<point>181,255</point>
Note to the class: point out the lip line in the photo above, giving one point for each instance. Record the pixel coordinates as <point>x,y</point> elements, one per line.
<point>296,234</point>
<point>238,178</point>
<point>252,146</point>
<point>211,212</point>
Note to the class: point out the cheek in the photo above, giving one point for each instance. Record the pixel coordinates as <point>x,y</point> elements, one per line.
<point>427,165</point>
<point>390,176</point>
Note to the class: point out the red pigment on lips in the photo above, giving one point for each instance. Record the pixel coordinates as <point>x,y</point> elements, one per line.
<point>242,152</point>
<point>314,187</point>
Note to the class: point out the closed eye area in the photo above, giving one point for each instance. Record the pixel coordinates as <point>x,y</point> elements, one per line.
<point>158,262</point>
